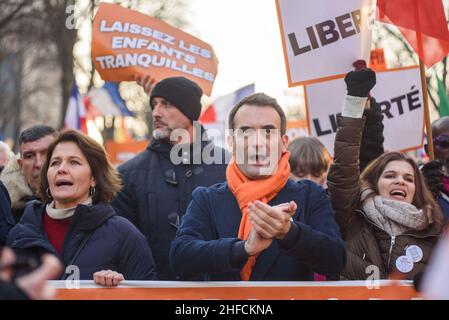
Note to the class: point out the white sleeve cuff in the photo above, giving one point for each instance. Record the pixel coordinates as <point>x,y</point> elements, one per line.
<point>353,107</point>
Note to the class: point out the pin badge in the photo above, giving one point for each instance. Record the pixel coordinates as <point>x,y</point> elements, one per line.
<point>415,253</point>
<point>404,264</point>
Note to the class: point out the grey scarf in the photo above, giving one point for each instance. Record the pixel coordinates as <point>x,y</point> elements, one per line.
<point>392,216</point>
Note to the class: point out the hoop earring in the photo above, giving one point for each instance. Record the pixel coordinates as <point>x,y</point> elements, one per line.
<point>48,193</point>
<point>92,192</point>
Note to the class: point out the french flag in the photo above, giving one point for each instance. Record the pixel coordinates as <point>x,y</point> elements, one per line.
<point>222,106</point>
<point>215,117</point>
<point>106,101</point>
<point>75,117</point>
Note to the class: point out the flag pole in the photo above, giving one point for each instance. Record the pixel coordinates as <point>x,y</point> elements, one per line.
<point>425,95</point>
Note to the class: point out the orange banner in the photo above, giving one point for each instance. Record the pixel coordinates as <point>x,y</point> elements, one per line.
<point>296,129</point>
<point>340,290</point>
<point>294,124</point>
<point>122,152</point>
<point>126,42</point>
<point>377,60</point>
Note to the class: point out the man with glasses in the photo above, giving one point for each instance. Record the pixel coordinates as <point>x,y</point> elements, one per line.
<point>437,172</point>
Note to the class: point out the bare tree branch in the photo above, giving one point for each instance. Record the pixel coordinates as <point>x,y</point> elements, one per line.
<point>430,94</point>
<point>401,40</point>
<point>444,70</point>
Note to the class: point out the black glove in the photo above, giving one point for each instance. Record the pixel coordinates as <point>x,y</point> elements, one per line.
<point>360,82</point>
<point>432,172</point>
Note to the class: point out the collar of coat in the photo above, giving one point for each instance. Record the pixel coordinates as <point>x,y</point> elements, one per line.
<point>85,218</point>
<point>19,190</point>
<point>28,233</point>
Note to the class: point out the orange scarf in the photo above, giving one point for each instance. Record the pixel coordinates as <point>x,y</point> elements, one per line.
<point>246,191</point>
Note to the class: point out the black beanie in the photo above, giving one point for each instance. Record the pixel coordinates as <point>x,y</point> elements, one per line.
<point>183,93</point>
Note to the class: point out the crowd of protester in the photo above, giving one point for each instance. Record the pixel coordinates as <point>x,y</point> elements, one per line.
<point>270,209</point>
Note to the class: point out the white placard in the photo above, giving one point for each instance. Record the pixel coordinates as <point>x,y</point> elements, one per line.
<point>399,93</point>
<point>322,38</point>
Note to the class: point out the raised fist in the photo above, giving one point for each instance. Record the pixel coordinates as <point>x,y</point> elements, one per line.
<point>360,82</point>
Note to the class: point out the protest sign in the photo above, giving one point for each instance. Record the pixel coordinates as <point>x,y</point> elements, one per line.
<point>297,129</point>
<point>126,42</point>
<point>121,152</point>
<point>233,290</point>
<point>322,38</point>
<point>399,93</point>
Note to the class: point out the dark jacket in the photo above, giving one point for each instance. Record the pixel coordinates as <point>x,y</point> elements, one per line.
<point>372,145</point>
<point>443,202</point>
<point>366,244</point>
<point>114,243</point>
<point>19,191</point>
<point>156,193</point>
<point>208,235</point>
<point>6,218</point>
<point>10,291</point>
<point>433,174</point>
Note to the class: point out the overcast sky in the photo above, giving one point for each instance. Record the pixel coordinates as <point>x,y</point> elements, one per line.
<point>246,38</point>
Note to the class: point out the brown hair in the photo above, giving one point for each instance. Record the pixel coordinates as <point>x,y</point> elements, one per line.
<point>422,198</point>
<point>259,100</point>
<point>308,155</point>
<point>107,178</point>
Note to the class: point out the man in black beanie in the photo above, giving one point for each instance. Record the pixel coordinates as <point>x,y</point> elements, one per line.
<point>158,183</point>
<point>176,103</point>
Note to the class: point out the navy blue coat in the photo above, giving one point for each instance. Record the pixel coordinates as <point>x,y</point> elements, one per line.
<point>114,243</point>
<point>156,194</point>
<point>443,201</point>
<point>210,226</point>
<point>6,217</point>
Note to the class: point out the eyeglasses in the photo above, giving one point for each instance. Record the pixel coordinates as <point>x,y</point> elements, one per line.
<point>441,141</point>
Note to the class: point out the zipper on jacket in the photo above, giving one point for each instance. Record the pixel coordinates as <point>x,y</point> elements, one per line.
<point>393,238</point>
<point>392,242</point>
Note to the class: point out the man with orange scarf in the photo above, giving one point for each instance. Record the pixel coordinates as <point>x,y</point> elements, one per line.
<point>259,224</point>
